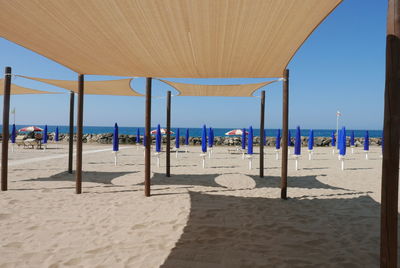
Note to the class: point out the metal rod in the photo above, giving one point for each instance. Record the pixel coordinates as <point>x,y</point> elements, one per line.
<point>391,128</point>
<point>79,135</point>
<point>168,150</point>
<point>285,130</point>
<point>71,131</point>
<point>147,159</point>
<point>262,119</point>
<point>6,132</point>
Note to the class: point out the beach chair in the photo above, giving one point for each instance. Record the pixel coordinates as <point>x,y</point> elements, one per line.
<point>19,140</point>
<point>31,143</point>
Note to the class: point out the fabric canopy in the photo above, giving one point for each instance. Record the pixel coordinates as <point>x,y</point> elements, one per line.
<point>170,38</point>
<point>244,90</point>
<point>119,87</point>
<point>18,90</point>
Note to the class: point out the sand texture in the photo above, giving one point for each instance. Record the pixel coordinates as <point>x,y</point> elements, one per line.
<point>220,216</point>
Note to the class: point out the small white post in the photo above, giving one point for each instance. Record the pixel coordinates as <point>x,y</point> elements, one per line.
<point>333,151</point>
<point>12,147</point>
<point>243,154</point>
<point>176,154</point>
<point>366,155</point>
<point>250,163</point>
<point>310,152</point>
<point>209,154</point>
<point>115,158</point>
<point>203,156</point>
<point>186,148</point>
<point>297,164</point>
<point>158,160</point>
<point>342,163</point>
<point>288,150</point>
<point>352,149</point>
<point>276,155</point>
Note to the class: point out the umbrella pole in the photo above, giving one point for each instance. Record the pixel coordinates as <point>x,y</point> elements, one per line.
<point>71,131</point>
<point>352,150</point>
<point>285,129</point>
<point>6,133</point>
<point>262,121</point>
<point>297,164</point>
<point>147,160</point>
<point>276,155</point>
<point>12,147</point>
<point>115,158</point>
<point>342,163</point>
<point>79,135</point>
<point>168,150</point>
<point>176,153</point>
<point>366,155</point>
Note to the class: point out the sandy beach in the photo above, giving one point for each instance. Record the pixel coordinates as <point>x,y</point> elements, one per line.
<point>220,216</point>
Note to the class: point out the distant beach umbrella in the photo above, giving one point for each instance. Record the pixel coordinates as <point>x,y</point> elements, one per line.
<point>115,138</point>
<point>278,140</point>
<point>210,138</point>
<point>163,131</point>
<point>243,141</point>
<point>250,141</point>
<point>310,144</point>
<point>297,144</point>
<point>45,135</point>
<point>137,136</point>
<point>342,150</point>
<point>31,129</point>
<point>311,140</point>
<point>234,132</point>
<point>158,139</point>
<point>204,139</point>
<point>366,144</point>
<point>56,135</point>
<point>13,133</point>
<point>177,137</point>
<point>187,137</point>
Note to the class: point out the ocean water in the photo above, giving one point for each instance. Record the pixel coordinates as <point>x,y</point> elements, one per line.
<point>196,132</point>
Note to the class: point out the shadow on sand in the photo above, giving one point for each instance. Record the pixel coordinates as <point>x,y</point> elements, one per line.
<point>230,231</point>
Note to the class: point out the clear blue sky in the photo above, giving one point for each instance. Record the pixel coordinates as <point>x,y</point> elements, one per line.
<point>341,66</point>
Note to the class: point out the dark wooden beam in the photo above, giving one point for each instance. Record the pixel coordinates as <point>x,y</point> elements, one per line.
<point>6,131</point>
<point>71,131</point>
<point>262,119</point>
<point>79,134</point>
<point>285,130</point>
<point>147,159</point>
<point>168,150</point>
<point>391,128</point>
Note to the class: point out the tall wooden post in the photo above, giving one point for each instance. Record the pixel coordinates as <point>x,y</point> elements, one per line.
<point>262,119</point>
<point>285,131</point>
<point>79,135</point>
<point>147,159</point>
<point>168,150</point>
<point>71,131</point>
<point>6,132</point>
<point>391,128</point>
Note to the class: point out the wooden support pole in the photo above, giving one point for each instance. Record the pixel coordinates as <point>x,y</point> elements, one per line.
<point>168,150</point>
<point>71,131</point>
<point>262,119</point>
<point>6,132</point>
<point>391,128</point>
<point>285,130</point>
<point>79,134</point>
<point>147,159</point>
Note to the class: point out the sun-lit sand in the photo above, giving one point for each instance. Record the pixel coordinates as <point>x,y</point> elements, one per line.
<point>220,216</point>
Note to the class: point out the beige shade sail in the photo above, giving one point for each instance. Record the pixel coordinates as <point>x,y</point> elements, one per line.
<point>120,87</point>
<point>244,90</point>
<point>169,38</point>
<point>18,90</point>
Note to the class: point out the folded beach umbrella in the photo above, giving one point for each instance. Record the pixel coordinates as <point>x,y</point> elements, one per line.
<point>13,133</point>
<point>56,135</point>
<point>204,144</point>
<point>144,140</point>
<point>310,143</point>
<point>187,140</point>
<point>177,137</point>
<point>366,144</point>
<point>297,145</point>
<point>137,136</point>
<point>352,141</point>
<point>158,139</point>
<point>210,138</point>
<point>250,146</point>
<point>333,141</point>
<point>44,138</point>
<point>277,144</point>
<point>342,149</point>
<point>115,143</point>
<point>243,139</point>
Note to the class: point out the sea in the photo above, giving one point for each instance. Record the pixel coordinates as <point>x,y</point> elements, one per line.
<point>196,132</point>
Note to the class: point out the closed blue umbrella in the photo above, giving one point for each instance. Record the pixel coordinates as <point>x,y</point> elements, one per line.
<point>243,138</point>
<point>250,141</point>
<point>339,140</point>
<point>45,135</point>
<point>297,144</point>
<point>56,138</point>
<point>210,138</point>
<point>311,140</point>
<point>278,140</point>
<point>204,139</point>
<point>137,136</point>
<point>352,138</point>
<point>333,142</point>
<point>177,139</point>
<point>342,149</point>
<point>115,139</point>
<point>187,137</point>
<point>158,139</point>
<point>366,141</point>
<point>289,139</point>
<point>144,140</point>
<point>13,132</point>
